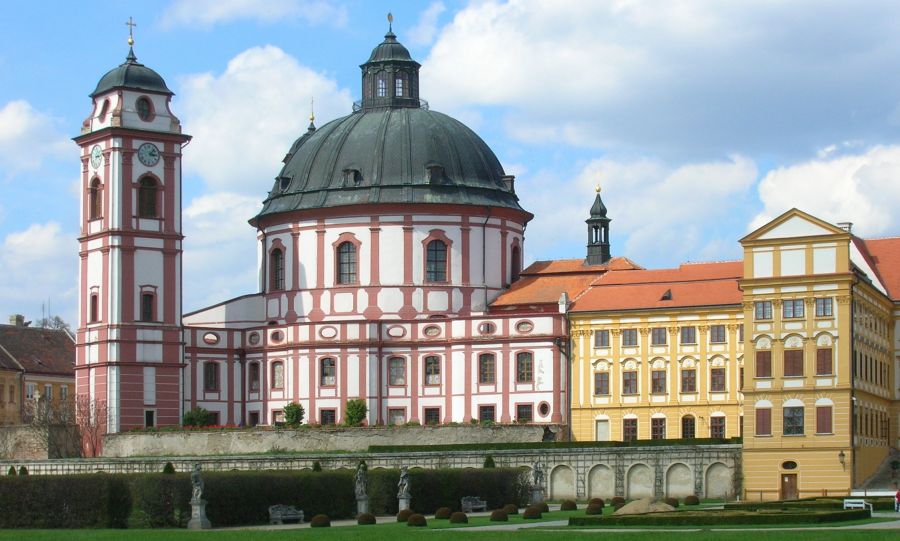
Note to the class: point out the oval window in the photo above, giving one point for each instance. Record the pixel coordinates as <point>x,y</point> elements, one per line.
<point>328,332</point>
<point>487,328</point>
<point>254,338</point>
<point>789,465</point>
<point>211,338</point>
<point>544,409</point>
<point>431,331</point>
<point>524,326</point>
<point>144,109</point>
<point>276,336</point>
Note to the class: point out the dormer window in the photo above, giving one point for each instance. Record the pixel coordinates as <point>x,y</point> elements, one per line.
<point>284,182</point>
<point>434,174</point>
<point>352,177</point>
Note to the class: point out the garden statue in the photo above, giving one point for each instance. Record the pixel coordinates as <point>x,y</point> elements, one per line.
<point>197,484</point>
<point>361,480</point>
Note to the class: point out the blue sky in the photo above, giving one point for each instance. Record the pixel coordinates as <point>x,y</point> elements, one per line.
<point>700,118</point>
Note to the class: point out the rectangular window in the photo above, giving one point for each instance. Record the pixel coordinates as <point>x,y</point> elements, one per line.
<point>432,370</point>
<point>824,307</point>
<point>210,377</point>
<point>95,308</point>
<point>432,416</point>
<point>601,383</point>
<point>793,421</point>
<point>688,426</point>
<point>328,376</point>
<point>629,337</point>
<point>398,87</point>
<point>792,308</point>
<point>149,418</point>
<point>12,394</point>
<point>397,369</point>
<point>658,381</point>
<point>328,417</point>
<point>524,413</point>
<point>486,413</point>
<point>486,368</point>
<point>30,389</point>
<point>717,427</point>
<point>793,362</point>
<point>717,334</point>
<point>689,380</point>
<point>763,422</point>
<point>629,382</point>
<point>657,429</point>
<point>717,380</point>
<point>823,420</point>
<point>689,335</point>
<point>741,378</point>
<point>396,416</point>
<point>214,418</point>
<point>741,332</point>
<point>764,364</point>
<point>823,362</point>
<point>658,336</point>
<point>147,306</point>
<point>277,417</point>
<point>762,310</point>
<point>524,367</point>
<point>601,339</point>
<point>629,430</point>
<point>254,377</point>
<point>48,392</point>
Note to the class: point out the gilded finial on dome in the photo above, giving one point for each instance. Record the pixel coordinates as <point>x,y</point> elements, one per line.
<point>390,21</point>
<point>597,188</point>
<point>130,24</point>
<point>312,112</point>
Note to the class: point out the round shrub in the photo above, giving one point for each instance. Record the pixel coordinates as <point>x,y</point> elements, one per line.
<point>511,509</point>
<point>593,509</point>
<point>23,470</point>
<point>489,462</point>
<point>459,518</point>
<point>672,501</point>
<point>11,471</point>
<point>531,512</point>
<point>568,505</point>
<point>442,513</point>
<point>618,505</point>
<point>169,468</point>
<point>320,521</point>
<point>404,515</point>
<point>596,501</point>
<point>691,500</point>
<point>617,499</point>
<point>499,515</point>
<point>417,520</point>
<point>543,507</point>
<point>365,519</point>
<point>317,466</point>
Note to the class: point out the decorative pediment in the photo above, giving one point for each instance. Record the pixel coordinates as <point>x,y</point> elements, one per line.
<point>792,224</point>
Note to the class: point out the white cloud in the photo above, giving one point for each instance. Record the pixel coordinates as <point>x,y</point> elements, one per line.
<point>683,80</point>
<point>426,27</point>
<point>219,248</point>
<point>28,137</point>
<point>244,120</point>
<point>661,214</point>
<point>207,13</point>
<point>861,188</point>
<point>39,264</point>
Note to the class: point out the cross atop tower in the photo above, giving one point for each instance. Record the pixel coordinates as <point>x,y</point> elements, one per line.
<point>130,24</point>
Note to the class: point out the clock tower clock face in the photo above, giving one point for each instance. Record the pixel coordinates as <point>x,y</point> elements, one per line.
<point>96,156</point>
<point>148,154</point>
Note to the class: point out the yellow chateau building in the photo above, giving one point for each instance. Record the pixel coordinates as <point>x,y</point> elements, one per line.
<point>794,348</point>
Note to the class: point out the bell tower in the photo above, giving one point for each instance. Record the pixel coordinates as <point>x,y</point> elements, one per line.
<point>598,233</point>
<point>129,343</point>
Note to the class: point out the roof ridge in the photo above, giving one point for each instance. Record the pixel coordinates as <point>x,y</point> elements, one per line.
<point>711,262</point>
<point>892,237</point>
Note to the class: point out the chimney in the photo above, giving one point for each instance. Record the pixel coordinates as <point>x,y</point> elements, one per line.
<point>846,226</point>
<point>17,319</point>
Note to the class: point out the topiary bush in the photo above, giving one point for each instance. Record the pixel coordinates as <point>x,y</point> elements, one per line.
<point>691,500</point>
<point>365,519</point>
<point>543,507</point>
<point>459,518</point>
<point>293,414</point>
<point>417,520</point>
<point>499,515</point>
<point>618,505</point>
<point>23,470</point>
<point>594,509</point>
<point>442,513</point>
<point>568,505</point>
<point>11,471</point>
<point>320,521</point>
<point>672,501</point>
<point>617,500</point>
<point>317,466</point>
<point>168,468</point>
<point>196,417</point>
<point>511,509</point>
<point>404,515</point>
<point>531,512</point>
<point>355,412</point>
<point>596,501</point>
<point>489,462</point>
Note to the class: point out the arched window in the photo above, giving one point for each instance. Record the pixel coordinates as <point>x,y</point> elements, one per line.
<point>515,266</point>
<point>436,261</point>
<point>95,308</point>
<point>346,263</point>
<point>381,86</point>
<point>96,201</point>
<point>277,262</point>
<point>144,109</point>
<point>278,375</point>
<point>147,198</point>
<point>688,427</point>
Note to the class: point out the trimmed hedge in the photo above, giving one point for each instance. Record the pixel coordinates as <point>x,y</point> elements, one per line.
<point>320,521</point>
<point>442,513</point>
<point>568,505</point>
<point>691,500</point>
<point>594,509</point>
<point>531,513</point>
<point>596,501</point>
<point>543,507</point>
<point>366,519</point>
<point>511,509</point>
<point>432,489</point>
<point>672,501</point>
<point>716,518</point>
<point>403,515</point>
<point>64,501</point>
<point>499,515</point>
<point>879,503</point>
<point>417,520</point>
<point>619,500</point>
<point>459,518</point>
<point>549,445</point>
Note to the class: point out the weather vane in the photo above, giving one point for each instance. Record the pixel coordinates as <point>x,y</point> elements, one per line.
<point>130,24</point>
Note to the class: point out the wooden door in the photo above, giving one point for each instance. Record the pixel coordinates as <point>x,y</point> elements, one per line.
<point>789,486</point>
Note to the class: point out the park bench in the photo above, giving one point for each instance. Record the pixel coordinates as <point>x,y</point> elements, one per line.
<point>857,503</point>
<point>473,503</point>
<point>279,513</point>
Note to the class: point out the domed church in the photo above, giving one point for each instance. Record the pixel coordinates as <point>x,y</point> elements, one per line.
<point>383,246</point>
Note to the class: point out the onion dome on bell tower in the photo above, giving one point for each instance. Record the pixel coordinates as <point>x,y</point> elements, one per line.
<point>598,233</point>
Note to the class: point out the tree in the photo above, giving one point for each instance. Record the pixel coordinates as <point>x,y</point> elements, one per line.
<point>355,412</point>
<point>293,414</point>
<point>196,417</point>
<point>91,418</point>
<point>53,322</point>
<point>52,425</point>
<point>489,462</point>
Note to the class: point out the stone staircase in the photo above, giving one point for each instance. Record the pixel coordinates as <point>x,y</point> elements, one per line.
<point>883,478</point>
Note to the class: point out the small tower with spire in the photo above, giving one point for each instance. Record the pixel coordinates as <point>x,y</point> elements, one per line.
<point>390,78</point>
<point>598,233</point>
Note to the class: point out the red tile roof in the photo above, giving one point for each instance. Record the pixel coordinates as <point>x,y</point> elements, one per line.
<point>37,350</point>
<point>692,284</point>
<point>884,256</point>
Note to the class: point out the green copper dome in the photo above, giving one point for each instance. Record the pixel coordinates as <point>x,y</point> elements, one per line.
<point>133,75</point>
